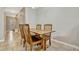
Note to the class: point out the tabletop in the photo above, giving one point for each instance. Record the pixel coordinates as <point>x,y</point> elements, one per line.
<point>41,31</point>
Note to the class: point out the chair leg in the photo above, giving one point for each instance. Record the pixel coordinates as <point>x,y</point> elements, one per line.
<point>45,44</point>
<point>24,42</point>
<point>41,45</point>
<point>50,41</point>
<point>26,46</point>
<point>21,42</point>
<point>30,47</point>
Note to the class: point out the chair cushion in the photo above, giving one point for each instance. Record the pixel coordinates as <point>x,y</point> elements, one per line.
<point>35,38</point>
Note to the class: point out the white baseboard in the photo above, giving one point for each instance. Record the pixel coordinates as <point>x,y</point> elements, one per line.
<point>67,44</point>
<point>2,40</point>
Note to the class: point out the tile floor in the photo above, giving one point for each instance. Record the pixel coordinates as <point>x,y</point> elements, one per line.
<point>15,45</point>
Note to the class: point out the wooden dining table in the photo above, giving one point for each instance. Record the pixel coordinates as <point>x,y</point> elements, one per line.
<point>42,35</point>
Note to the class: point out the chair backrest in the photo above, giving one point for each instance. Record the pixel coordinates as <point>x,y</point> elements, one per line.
<point>38,27</point>
<point>27,35</point>
<point>48,27</point>
<point>21,30</point>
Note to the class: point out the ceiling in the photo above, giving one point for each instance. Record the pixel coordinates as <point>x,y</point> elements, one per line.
<point>12,11</point>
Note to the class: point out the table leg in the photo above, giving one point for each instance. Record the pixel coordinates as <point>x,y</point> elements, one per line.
<point>44,43</point>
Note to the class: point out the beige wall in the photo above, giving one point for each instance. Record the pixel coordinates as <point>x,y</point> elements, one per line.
<point>1,23</point>
<point>30,16</point>
<point>64,19</point>
<point>21,16</point>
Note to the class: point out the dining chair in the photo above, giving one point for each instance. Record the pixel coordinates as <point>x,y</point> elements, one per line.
<point>30,39</point>
<point>38,27</point>
<point>48,35</point>
<point>22,34</point>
